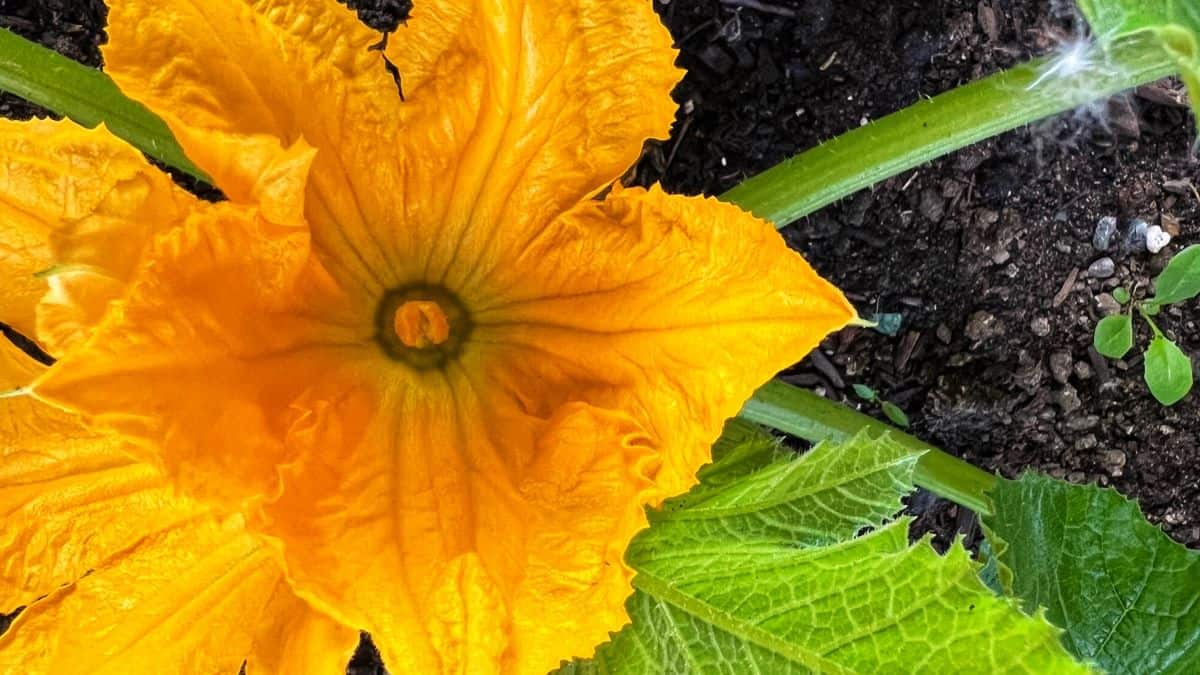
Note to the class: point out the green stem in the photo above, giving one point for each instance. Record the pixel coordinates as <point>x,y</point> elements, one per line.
<point>935,127</point>
<point>1146,316</point>
<point>814,418</point>
<point>87,96</point>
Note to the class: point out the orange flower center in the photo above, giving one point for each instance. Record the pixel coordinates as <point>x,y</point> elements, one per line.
<point>421,324</point>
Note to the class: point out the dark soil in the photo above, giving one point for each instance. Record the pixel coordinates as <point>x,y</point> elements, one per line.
<point>985,253</point>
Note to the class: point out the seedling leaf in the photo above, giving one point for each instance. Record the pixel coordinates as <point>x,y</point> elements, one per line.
<point>1168,371</point>
<point>864,392</point>
<point>1121,294</point>
<point>1181,279</point>
<point>768,575</point>
<point>1128,596</point>
<point>895,414</point>
<point>1114,336</point>
<point>888,324</point>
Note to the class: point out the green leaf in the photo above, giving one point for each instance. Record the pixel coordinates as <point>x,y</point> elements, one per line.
<point>1121,294</point>
<point>1128,596</point>
<point>1114,336</point>
<point>768,575</point>
<point>87,96</point>
<point>864,392</point>
<point>895,414</point>
<point>888,323</point>
<point>1168,371</point>
<point>742,448</point>
<point>1175,24</point>
<point>1181,278</point>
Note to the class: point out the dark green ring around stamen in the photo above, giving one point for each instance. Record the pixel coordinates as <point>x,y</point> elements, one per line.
<point>433,356</point>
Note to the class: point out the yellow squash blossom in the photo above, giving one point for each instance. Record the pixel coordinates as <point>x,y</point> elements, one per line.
<point>424,364</point>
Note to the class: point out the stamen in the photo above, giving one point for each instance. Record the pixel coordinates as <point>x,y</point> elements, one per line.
<point>421,323</point>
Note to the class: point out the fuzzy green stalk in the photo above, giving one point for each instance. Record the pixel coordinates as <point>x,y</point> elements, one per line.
<point>814,418</point>
<point>938,126</point>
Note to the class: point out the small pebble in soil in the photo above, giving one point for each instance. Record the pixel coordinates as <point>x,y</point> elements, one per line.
<point>1102,268</point>
<point>1083,422</point>
<point>1135,236</point>
<point>1040,326</point>
<point>1086,442</point>
<point>932,205</point>
<point>982,325</point>
<point>1067,399</point>
<point>1060,366</point>
<point>1156,239</point>
<point>1114,461</point>
<point>1083,371</point>
<point>1170,224</point>
<point>943,333</point>
<point>1105,229</point>
<point>1107,304</point>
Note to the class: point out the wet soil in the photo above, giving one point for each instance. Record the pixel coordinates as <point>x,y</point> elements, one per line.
<point>985,253</point>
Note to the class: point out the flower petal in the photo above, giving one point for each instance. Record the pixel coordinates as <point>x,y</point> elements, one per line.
<point>118,573</point>
<point>226,323</point>
<point>515,110</point>
<point>486,540</point>
<point>239,80</point>
<point>71,195</point>
<point>59,486</point>
<point>673,308</point>
<point>197,599</point>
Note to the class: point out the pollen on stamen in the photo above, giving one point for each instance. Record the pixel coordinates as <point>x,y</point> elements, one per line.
<point>423,326</point>
<point>421,323</point>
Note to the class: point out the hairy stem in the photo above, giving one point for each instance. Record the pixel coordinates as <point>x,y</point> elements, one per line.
<point>937,126</point>
<point>802,413</point>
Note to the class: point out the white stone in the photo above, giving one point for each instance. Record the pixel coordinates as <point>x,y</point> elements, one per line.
<point>1156,239</point>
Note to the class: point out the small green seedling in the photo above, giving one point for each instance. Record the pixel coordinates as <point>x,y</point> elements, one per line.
<point>1168,370</point>
<point>887,324</point>
<point>890,410</point>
